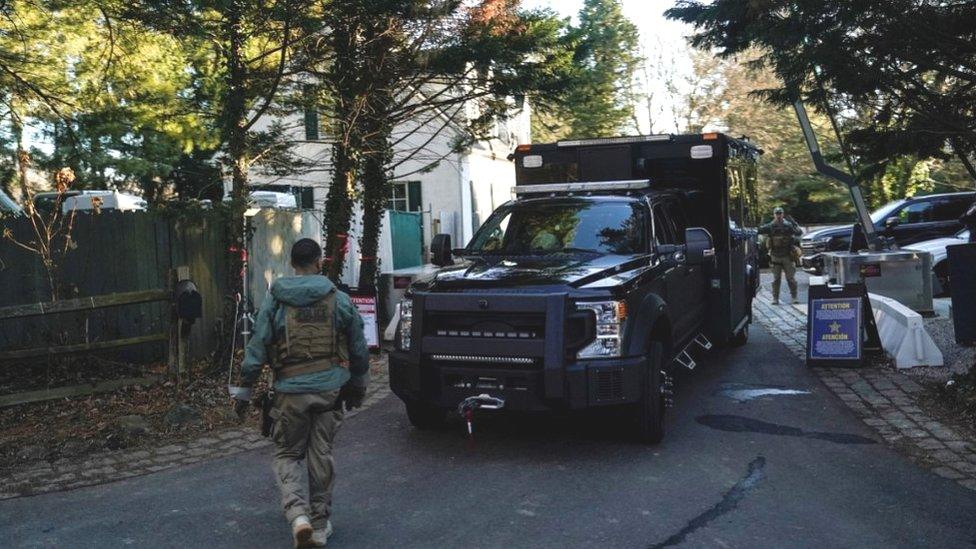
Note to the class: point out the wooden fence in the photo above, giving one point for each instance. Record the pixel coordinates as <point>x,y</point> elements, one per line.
<point>116,252</point>
<point>177,339</point>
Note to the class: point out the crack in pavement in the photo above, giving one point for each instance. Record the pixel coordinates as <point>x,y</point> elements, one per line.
<point>740,424</point>
<point>729,502</point>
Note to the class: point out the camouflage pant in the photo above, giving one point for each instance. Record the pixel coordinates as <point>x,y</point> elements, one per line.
<point>305,426</point>
<point>783,265</point>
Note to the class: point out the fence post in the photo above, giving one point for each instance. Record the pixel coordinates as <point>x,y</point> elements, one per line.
<point>179,329</point>
<point>173,350</point>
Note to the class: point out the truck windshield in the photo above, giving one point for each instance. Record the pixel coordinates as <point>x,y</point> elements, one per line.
<point>564,226</point>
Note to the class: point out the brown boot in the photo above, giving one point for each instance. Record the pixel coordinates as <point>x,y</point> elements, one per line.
<point>301,530</point>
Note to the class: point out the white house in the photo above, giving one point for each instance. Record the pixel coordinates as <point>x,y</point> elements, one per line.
<point>452,192</point>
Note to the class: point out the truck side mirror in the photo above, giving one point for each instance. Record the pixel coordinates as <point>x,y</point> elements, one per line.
<point>698,246</point>
<point>440,250</point>
<point>188,301</point>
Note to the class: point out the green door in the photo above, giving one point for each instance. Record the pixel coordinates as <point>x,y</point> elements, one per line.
<point>406,236</point>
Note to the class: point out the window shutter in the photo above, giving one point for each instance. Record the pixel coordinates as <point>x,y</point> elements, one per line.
<point>311,114</point>
<point>414,199</point>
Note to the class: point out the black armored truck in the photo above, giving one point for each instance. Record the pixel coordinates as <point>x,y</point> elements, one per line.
<point>616,258</point>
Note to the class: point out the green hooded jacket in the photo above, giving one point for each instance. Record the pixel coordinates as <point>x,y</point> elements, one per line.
<point>301,291</point>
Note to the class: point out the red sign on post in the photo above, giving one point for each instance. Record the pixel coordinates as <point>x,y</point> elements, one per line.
<point>366,305</point>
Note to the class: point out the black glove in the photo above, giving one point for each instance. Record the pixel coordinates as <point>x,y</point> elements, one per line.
<point>240,408</point>
<point>352,396</point>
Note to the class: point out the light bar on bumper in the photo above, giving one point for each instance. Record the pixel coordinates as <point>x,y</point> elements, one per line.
<point>610,319</point>
<point>484,359</point>
<point>406,323</point>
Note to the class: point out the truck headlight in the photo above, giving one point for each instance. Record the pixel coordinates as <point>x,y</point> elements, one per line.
<point>406,323</point>
<point>610,319</point>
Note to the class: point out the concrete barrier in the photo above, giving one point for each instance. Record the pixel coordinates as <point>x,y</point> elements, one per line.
<point>818,280</point>
<point>903,334</point>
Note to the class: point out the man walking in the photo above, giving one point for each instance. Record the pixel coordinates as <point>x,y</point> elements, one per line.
<point>312,336</point>
<point>781,232</point>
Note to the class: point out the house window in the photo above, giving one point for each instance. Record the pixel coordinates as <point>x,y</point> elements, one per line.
<point>405,196</point>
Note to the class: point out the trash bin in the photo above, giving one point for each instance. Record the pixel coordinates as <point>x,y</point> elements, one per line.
<point>962,286</point>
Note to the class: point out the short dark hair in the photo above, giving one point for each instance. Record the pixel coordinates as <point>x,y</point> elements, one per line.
<point>305,252</point>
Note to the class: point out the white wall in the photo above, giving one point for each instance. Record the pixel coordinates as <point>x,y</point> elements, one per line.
<point>440,186</point>
<point>482,175</point>
<point>493,178</point>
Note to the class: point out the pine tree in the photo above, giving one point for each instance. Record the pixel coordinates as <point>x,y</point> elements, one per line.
<point>906,69</point>
<point>250,53</point>
<point>606,56</point>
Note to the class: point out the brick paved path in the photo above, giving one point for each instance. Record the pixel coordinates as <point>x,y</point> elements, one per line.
<point>67,474</point>
<point>883,398</point>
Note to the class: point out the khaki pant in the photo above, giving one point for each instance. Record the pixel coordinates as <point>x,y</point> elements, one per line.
<point>783,265</point>
<point>304,429</point>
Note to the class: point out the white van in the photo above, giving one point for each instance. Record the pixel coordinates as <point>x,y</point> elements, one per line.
<point>103,200</point>
<point>270,199</point>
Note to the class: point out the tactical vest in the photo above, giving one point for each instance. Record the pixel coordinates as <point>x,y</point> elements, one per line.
<point>781,239</point>
<point>309,341</point>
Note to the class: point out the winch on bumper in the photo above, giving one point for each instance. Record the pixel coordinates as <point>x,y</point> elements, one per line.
<point>520,347</point>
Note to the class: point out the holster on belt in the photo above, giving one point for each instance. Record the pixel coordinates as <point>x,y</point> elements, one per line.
<point>267,403</point>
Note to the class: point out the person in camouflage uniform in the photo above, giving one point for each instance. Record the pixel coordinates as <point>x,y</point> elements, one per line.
<point>782,234</point>
<point>313,338</point>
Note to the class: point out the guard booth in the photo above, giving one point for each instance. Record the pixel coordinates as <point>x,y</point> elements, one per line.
<point>717,172</point>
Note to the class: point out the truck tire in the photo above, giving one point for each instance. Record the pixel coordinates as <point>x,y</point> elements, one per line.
<point>425,417</point>
<point>650,409</point>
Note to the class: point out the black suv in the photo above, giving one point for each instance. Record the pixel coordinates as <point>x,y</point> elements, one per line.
<point>906,221</point>
<point>585,294</point>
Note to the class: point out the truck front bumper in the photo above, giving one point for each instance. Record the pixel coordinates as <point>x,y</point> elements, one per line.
<point>584,384</point>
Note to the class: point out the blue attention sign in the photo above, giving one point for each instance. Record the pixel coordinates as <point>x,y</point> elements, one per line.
<point>835,329</point>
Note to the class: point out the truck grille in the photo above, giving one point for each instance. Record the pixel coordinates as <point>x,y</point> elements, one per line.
<point>485,326</point>
<point>810,247</point>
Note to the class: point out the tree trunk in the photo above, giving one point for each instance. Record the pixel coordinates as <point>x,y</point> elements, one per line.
<point>376,191</point>
<point>235,135</point>
<point>346,79</point>
<point>21,157</point>
<point>383,36</point>
<point>338,209</point>
<point>12,182</point>
<point>963,155</point>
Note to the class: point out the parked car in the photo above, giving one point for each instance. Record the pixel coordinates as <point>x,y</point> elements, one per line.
<point>8,206</point>
<point>88,200</point>
<point>906,221</point>
<point>940,257</point>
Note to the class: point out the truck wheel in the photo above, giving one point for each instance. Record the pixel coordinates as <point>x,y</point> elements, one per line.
<point>425,417</point>
<point>650,409</point>
<point>741,338</point>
